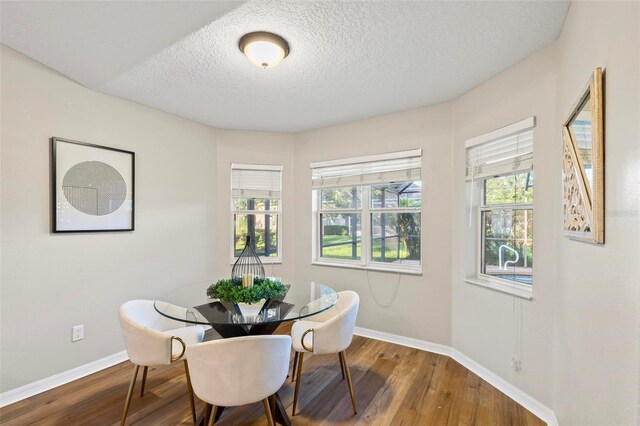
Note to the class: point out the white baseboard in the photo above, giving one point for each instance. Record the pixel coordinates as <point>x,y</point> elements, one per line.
<point>404,341</point>
<point>527,401</point>
<point>522,398</point>
<point>31,389</point>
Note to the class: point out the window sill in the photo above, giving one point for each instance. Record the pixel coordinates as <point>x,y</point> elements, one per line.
<point>265,261</point>
<point>375,268</point>
<point>513,289</point>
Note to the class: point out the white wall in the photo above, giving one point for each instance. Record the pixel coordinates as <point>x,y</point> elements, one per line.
<point>422,308</point>
<point>53,282</point>
<point>578,341</point>
<point>235,146</point>
<point>485,321</point>
<point>598,296</point>
<point>579,336</point>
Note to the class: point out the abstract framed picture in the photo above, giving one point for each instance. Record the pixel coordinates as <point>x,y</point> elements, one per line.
<point>92,187</point>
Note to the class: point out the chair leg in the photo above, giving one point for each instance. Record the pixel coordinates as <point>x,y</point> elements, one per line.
<point>272,404</point>
<point>207,413</point>
<point>130,394</point>
<point>192,403</point>
<point>343,356</point>
<point>341,365</point>
<point>267,410</point>
<point>212,416</point>
<point>293,370</point>
<point>298,377</point>
<point>144,380</point>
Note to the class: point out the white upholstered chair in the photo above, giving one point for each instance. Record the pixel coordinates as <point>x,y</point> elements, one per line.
<point>239,371</point>
<point>329,332</point>
<point>152,339</point>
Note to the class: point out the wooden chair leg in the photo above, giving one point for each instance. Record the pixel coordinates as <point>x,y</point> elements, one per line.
<point>192,403</point>
<point>343,355</point>
<point>293,370</point>
<point>298,380</point>
<point>144,380</point>
<point>212,417</point>
<point>267,410</point>
<point>130,394</point>
<point>341,365</point>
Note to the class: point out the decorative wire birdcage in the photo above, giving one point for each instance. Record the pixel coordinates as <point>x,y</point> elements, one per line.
<point>248,263</point>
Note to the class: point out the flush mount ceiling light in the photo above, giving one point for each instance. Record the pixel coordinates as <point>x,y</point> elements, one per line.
<point>266,50</point>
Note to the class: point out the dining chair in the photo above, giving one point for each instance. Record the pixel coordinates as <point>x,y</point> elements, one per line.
<point>239,371</point>
<point>152,339</point>
<point>330,332</point>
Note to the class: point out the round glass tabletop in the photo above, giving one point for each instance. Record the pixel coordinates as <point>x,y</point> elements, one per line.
<point>303,299</point>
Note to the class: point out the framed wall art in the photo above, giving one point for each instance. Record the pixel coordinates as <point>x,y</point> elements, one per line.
<point>583,165</point>
<point>92,187</point>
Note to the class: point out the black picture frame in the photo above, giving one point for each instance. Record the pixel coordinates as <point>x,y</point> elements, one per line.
<point>107,170</point>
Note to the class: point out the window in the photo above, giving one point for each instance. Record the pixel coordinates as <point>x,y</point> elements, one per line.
<point>499,168</point>
<point>368,212</point>
<point>256,206</point>
<point>506,219</point>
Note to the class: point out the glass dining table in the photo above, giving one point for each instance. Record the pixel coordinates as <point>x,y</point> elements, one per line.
<point>303,299</point>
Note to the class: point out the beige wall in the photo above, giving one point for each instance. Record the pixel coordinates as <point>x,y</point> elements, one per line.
<point>422,307</point>
<point>579,336</point>
<point>253,148</point>
<point>598,296</point>
<point>485,321</point>
<point>578,339</point>
<point>53,282</point>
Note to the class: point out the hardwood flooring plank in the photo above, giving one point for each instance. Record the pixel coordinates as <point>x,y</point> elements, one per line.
<point>365,390</point>
<point>407,417</point>
<point>394,385</point>
<point>388,399</point>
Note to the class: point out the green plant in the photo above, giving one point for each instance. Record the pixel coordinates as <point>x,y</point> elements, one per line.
<point>409,229</point>
<point>231,290</point>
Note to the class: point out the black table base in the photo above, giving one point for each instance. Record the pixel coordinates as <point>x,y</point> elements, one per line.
<point>233,330</point>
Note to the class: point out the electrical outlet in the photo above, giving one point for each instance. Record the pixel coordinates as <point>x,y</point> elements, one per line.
<point>77,333</point>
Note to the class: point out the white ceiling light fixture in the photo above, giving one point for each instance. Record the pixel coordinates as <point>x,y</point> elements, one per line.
<point>265,50</point>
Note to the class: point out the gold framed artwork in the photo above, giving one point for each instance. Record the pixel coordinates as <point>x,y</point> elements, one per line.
<point>583,165</point>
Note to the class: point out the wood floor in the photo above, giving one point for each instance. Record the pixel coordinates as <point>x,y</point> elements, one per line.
<point>394,385</point>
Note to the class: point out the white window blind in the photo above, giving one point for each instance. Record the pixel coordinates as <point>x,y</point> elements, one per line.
<point>256,181</point>
<point>374,169</point>
<point>506,150</point>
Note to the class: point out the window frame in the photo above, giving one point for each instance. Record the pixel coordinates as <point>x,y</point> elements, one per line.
<point>273,213</point>
<point>479,278</point>
<point>473,275</point>
<point>365,211</point>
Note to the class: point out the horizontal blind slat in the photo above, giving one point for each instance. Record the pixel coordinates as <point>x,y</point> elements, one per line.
<point>524,163</point>
<point>367,179</point>
<point>384,171</point>
<point>504,155</point>
<point>250,183</point>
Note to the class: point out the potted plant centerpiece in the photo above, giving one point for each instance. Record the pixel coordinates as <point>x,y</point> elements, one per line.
<point>248,289</point>
<point>248,294</point>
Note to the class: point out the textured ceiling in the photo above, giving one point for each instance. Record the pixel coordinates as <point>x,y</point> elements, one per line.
<point>94,41</point>
<point>348,60</point>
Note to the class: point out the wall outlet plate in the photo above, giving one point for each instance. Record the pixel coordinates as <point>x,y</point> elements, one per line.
<point>77,333</point>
